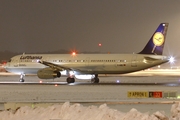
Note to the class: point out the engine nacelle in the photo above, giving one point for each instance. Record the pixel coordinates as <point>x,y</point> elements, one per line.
<point>48,73</point>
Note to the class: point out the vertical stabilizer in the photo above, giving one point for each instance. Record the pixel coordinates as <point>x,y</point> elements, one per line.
<point>156,43</point>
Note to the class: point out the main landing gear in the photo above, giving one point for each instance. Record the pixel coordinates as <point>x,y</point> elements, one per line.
<point>95,79</point>
<point>70,80</point>
<point>22,78</point>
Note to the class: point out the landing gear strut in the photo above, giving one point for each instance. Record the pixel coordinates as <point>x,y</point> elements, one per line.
<point>22,78</point>
<point>95,79</point>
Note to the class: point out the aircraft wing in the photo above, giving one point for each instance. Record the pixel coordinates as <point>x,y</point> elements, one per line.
<point>55,66</point>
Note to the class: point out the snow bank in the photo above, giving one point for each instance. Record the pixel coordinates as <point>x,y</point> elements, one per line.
<point>80,112</point>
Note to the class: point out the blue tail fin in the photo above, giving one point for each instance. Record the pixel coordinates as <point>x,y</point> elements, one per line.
<point>156,43</point>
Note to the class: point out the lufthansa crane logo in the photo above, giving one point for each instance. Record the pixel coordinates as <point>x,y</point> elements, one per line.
<point>158,39</point>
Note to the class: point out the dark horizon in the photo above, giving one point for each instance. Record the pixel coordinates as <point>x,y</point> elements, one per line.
<point>121,26</point>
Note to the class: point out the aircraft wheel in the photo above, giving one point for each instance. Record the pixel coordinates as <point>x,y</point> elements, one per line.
<point>70,80</point>
<point>21,80</point>
<point>73,80</point>
<point>95,80</point>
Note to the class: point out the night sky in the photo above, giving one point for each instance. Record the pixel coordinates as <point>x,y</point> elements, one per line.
<point>122,26</point>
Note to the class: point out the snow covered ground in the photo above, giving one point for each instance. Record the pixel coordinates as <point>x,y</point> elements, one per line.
<point>80,112</point>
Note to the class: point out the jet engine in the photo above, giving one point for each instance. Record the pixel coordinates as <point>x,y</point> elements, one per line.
<point>48,73</point>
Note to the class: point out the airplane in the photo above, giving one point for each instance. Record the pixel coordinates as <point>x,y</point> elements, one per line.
<point>88,66</point>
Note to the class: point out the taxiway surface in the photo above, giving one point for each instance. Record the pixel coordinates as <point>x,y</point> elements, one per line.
<point>108,91</point>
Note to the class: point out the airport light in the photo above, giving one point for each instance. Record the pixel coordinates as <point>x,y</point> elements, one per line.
<point>100,45</point>
<point>73,53</point>
<point>171,60</point>
<point>117,81</point>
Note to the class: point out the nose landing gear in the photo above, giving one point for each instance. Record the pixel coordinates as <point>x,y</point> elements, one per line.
<point>22,78</point>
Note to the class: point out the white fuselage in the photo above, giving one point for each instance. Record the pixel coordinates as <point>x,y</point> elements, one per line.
<point>86,63</point>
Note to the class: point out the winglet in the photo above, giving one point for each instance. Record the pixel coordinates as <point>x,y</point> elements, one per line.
<point>156,43</point>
